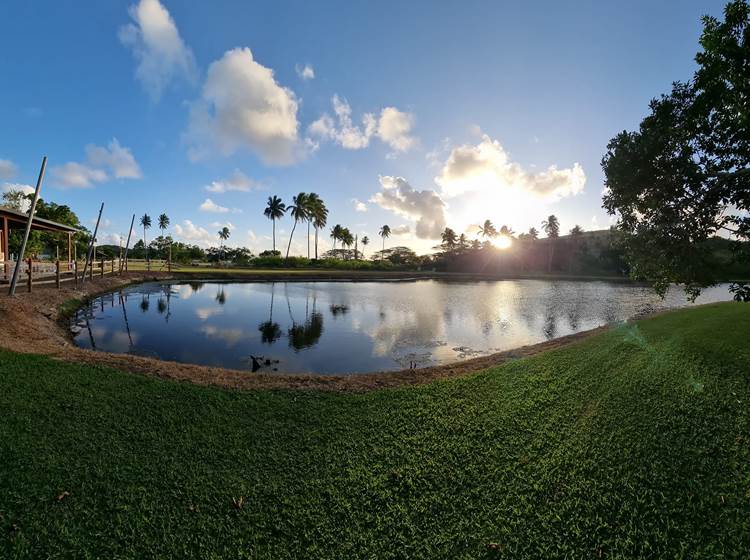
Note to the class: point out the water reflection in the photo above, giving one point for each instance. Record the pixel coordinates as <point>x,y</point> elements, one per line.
<point>340,327</point>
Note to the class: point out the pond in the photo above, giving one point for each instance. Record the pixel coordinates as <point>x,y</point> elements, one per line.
<point>352,327</point>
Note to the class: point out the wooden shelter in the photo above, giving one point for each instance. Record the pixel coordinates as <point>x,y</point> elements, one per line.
<point>14,219</point>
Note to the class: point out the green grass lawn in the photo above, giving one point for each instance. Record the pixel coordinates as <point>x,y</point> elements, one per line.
<point>632,444</point>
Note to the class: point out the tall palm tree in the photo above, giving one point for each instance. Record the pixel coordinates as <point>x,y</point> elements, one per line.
<point>365,243</point>
<point>449,239</point>
<point>551,227</point>
<point>384,232</point>
<point>311,202</point>
<point>533,233</point>
<point>146,223</point>
<point>505,231</point>
<point>163,225</point>
<point>336,232</point>
<point>462,242</point>
<point>223,236</point>
<point>347,239</point>
<point>318,217</point>
<point>487,230</point>
<point>298,210</point>
<point>275,209</point>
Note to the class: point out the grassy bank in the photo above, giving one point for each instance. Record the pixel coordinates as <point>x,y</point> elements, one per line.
<point>632,444</point>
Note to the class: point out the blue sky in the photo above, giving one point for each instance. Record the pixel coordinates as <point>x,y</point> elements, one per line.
<point>419,114</point>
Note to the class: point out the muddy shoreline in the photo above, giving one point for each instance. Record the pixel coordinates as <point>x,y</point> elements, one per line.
<point>36,324</point>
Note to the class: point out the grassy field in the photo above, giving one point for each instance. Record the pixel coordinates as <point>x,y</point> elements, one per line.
<point>632,444</point>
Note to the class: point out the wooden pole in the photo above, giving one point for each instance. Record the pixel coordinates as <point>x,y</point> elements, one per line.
<point>101,272</point>
<point>57,273</point>
<point>113,265</point>
<point>127,245</point>
<point>70,242</point>
<point>75,274</point>
<point>29,273</point>
<point>91,247</point>
<point>25,239</point>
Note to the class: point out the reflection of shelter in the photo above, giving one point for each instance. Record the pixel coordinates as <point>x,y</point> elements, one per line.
<point>13,219</point>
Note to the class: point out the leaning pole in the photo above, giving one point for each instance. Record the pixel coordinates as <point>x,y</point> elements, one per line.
<point>127,246</point>
<point>19,260</point>
<point>91,246</point>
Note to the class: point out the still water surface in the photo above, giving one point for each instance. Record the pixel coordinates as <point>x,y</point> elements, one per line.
<point>350,327</point>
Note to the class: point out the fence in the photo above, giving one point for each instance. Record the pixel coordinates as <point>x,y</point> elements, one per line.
<point>39,273</point>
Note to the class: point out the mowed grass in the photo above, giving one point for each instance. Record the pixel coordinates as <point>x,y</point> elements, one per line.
<point>632,444</point>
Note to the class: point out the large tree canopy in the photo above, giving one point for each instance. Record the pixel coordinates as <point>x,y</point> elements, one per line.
<point>684,176</point>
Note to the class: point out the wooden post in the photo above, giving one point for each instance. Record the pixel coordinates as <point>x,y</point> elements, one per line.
<point>29,272</point>
<point>101,272</point>
<point>57,273</point>
<point>25,239</point>
<point>75,274</point>
<point>127,245</point>
<point>89,253</point>
<point>91,271</point>
<point>70,242</point>
<point>113,265</point>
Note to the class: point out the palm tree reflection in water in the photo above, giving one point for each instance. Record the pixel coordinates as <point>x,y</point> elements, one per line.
<point>270,332</point>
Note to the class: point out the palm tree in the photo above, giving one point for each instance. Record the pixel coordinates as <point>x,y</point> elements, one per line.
<point>462,242</point>
<point>575,235</point>
<point>146,223</point>
<point>576,230</point>
<point>384,232</point>
<point>223,236</point>
<point>551,227</point>
<point>318,216</point>
<point>533,233</point>
<point>449,239</point>
<point>163,225</point>
<point>365,243</point>
<point>336,232</point>
<point>275,209</point>
<point>487,229</point>
<point>505,231</point>
<point>347,239</point>
<point>298,210</point>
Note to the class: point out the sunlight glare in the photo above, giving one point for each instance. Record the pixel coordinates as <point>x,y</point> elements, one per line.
<point>503,242</point>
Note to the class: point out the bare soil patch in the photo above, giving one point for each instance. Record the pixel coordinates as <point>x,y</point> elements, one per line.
<point>32,323</point>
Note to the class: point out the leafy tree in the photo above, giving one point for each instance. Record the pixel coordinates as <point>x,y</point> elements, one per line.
<point>336,232</point>
<point>682,177</point>
<point>533,234</point>
<point>298,210</point>
<point>365,243</point>
<point>449,239</point>
<point>275,209</point>
<point>318,217</point>
<point>223,236</point>
<point>163,225</point>
<point>551,227</point>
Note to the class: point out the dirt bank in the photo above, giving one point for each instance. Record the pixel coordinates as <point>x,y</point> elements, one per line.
<point>32,324</point>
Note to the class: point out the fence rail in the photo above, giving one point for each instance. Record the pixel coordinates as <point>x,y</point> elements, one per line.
<point>40,273</point>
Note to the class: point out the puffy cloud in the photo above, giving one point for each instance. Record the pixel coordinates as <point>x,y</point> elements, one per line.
<point>161,53</point>
<point>229,225</point>
<point>305,72</point>
<point>400,230</point>
<point>392,127</point>
<point>237,182</point>
<point>100,163</point>
<point>425,207</point>
<point>118,159</point>
<point>359,206</point>
<point>189,232</point>
<point>209,205</point>
<point>487,166</point>
<point>7,169</point>
<point>77,175</point>
<point>242,105</point>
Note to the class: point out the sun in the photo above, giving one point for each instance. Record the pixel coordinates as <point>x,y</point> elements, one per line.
<point>503,242</point>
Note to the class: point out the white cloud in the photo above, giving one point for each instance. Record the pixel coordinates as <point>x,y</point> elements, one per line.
<point>100,163</point>
<point>238,181</point>
<point>487,166</point>
<point>392,127</point>
<point>209,205</point>
<point>228,225</point>
<point>77,175</point>
<point>242,106</point>
<point>161,53</point>
<point>7,169</point>
<point>305,72</point>
<point>359,206</point>
<point>118,159</point>
<point>189,232</point>
<point>400,230</point>
<point>425,207</point>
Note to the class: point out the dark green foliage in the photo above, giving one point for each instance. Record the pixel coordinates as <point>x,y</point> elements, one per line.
<point>633,444</point>
<point>682,178</point>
